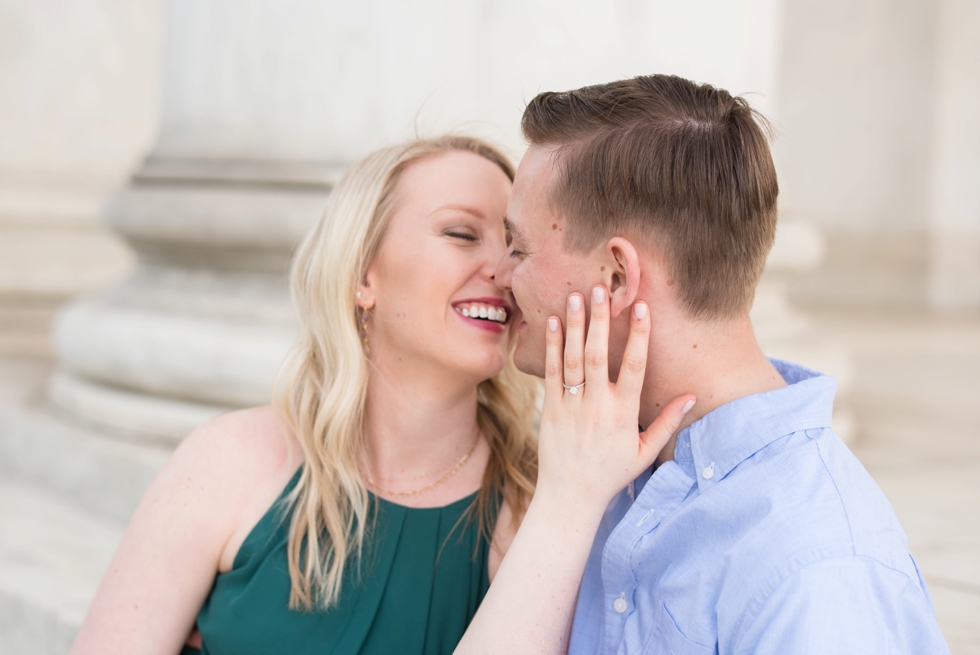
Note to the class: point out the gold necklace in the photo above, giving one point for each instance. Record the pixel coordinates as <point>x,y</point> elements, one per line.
<point>418,492</point>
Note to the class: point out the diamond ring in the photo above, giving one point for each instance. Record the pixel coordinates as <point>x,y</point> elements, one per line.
<point>572,389</point>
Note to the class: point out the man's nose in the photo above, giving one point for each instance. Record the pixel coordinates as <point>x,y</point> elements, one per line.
<point>501,276</point>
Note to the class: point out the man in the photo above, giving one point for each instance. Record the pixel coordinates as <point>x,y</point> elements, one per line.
<point>756,531</point>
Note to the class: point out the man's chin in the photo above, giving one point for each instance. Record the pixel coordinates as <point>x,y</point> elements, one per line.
<point>528,361</point>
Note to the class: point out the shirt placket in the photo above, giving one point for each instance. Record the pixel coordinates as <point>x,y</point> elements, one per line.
<point>661,495</point>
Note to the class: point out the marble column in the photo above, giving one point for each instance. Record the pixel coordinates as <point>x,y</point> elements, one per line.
<point>213,214</point>
<point>954,269</point>
<point>78,108</point>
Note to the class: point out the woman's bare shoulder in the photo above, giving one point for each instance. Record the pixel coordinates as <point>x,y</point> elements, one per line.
<point>217,484</point>
<point>255,432</point>
<point>250,442</point>
<point>239,463</point>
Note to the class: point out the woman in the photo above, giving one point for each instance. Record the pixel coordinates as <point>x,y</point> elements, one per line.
<point>369,513</point>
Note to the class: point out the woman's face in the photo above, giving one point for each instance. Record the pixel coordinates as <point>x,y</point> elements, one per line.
<point>435,304</point>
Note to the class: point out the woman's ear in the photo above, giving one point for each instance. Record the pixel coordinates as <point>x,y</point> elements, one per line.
<point>364,294</point>
<point>624,277</point>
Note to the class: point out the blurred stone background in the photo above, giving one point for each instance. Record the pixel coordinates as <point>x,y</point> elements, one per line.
<point>160,159</point>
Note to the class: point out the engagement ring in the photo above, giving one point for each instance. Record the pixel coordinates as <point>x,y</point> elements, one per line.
<point>572,390</point>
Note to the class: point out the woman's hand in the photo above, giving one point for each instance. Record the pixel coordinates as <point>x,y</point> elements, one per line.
<point>590,446</point>
<point>589,449</point>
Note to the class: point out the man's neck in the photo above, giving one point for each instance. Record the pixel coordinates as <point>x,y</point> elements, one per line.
<point>718,362</point>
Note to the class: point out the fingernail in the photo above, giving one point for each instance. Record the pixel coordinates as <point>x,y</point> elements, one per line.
<point>598,295</point>
<point>575,303</point>
<point>640,310</point>
<point>687,407</point>
<point>553,324</point>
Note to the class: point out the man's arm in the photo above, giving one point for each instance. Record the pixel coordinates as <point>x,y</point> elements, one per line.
<point>841,605</point>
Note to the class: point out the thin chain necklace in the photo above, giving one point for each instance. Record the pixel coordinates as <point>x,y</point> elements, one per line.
<point>418,492</point>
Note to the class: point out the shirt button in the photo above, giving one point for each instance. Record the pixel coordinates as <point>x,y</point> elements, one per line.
<point>708,472</point>
<point>620,604</point>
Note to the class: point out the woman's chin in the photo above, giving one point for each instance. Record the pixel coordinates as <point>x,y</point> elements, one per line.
<point>481,366</point>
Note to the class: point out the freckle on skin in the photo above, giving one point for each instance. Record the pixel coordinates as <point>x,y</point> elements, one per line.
<point>554,226</point>
<point>602,268</point>
<point>695,345</point>
<point>569,283</point>
<point>670,282</point>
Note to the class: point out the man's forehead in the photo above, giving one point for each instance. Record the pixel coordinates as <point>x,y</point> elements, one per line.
<point>530,201</point>
<point>536,167</point>
<point>515,231</point>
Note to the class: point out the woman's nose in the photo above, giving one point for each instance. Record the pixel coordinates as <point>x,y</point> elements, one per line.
<point>489,270</point>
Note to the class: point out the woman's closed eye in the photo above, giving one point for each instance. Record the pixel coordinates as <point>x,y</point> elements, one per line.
<point>459,234</point>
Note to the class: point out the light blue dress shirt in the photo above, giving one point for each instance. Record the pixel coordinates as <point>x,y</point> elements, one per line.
<point>765,535</point>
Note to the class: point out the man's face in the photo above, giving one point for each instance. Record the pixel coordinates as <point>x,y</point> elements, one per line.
<point>537,268</point>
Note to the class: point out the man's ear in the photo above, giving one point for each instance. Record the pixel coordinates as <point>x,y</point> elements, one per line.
<point>624,277</point>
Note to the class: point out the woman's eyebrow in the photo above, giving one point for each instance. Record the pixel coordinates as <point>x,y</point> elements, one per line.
<point>462,208</point>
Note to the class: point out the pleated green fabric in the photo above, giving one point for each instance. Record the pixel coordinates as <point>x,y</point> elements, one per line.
<point>422,579</point>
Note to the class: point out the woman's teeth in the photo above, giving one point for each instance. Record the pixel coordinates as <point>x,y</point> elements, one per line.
<point>488,312</point>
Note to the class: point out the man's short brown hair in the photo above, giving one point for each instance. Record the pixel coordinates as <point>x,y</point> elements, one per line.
<point>661,157</point>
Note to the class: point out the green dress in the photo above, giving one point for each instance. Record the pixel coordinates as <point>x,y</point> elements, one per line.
<point>421,582</point>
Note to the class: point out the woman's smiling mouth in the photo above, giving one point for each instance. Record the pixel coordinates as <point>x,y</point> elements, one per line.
<point>488,313</point>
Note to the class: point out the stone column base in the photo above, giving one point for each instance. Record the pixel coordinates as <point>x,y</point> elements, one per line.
<point>204,322</point>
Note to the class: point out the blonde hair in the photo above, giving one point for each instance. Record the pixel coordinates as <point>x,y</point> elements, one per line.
<point>322,386</point>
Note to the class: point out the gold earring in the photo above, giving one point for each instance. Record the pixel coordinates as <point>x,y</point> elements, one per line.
<point>364,332</point>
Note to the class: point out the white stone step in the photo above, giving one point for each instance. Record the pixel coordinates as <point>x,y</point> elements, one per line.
<point>52,557</point>
<point>99,473</point>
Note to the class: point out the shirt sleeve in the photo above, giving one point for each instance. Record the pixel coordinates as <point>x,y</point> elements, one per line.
<point>843,605</point>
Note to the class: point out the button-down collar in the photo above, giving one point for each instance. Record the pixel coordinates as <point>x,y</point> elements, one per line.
<point>727,436</point>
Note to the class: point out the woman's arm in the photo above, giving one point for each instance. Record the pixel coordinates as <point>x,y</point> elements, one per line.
<point>503,536</point>
<point>177,539</point>
<point>589,449</point>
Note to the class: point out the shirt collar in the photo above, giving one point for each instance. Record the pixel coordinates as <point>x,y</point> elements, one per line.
<point>725,437</point>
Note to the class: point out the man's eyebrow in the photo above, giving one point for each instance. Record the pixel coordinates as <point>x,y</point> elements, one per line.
<point>514,231</point>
